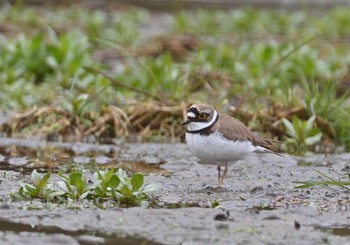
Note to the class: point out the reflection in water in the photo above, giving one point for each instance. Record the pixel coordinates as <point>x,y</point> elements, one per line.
<point>55,158</point>
<point>336,230</point>
<point>81,236</point>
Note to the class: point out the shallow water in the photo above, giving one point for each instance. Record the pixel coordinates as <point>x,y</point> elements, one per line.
<point>81,236</point>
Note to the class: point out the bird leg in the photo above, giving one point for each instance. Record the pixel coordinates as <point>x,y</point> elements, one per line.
<point>223,176</point>
<point>219,173</point>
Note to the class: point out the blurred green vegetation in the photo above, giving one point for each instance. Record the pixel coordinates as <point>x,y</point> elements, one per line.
<point>275,64</point>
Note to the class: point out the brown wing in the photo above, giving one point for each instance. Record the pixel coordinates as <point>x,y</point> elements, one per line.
<point>235,130</point>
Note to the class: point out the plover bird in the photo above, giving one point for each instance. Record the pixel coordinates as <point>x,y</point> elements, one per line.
<point>219,139</point>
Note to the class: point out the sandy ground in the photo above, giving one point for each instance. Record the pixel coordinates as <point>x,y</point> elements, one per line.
<point>258,203</point>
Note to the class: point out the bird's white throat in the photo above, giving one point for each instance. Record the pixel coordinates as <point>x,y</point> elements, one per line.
<point>195,126</point>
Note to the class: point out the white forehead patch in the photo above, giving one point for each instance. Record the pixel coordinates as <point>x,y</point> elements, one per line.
<point>208,111</point>
<point>191,115</point>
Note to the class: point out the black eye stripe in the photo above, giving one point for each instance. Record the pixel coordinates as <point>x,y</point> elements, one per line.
<point>194,110</point>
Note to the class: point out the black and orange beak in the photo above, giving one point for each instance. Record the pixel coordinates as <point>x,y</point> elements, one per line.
<point>186,122</point>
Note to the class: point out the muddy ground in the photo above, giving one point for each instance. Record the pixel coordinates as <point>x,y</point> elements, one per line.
<point>258,201</point>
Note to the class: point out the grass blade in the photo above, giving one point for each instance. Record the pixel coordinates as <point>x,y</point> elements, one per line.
<point>328,182</point>
<point>335,182</point>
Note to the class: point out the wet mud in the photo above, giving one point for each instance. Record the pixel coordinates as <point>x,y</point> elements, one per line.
<point>257,203</point>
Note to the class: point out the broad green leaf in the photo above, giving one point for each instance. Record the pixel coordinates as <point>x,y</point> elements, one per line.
<point>55,194</point>
<point>114,181</point>
<point>150,188</point>
<point>18,196</point>
<point>97,175</point>
<point>51,61</point>
<point>31,190</point>
<point>313,139</point>
<point>114,193</point>
<point>99,192</point>
<point>82,98</point>
<point>310,123</point>
<point>43,182</point>
<point>96,184</point>
<point>289,126</point>
<point>84,195</point>
<point>125,191</point>
<point>23,185</point>
<point>35,176</point>
<point>64,185</point>
<point>109,174</point>
<point>137,181</point>
<point>80,185</point>
<point>297,125</point>
<point>74,177</point>
<point>122,175</point>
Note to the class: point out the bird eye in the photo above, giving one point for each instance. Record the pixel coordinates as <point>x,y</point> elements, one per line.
<point>202,116</point>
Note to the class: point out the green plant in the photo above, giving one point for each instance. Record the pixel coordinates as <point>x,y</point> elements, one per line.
<point>214,204</point>
<point>76,105</point>
<point>106,185</point>
<point>46,66</point>
<point>302,134</point>
<point>38,188</point>
<point>67,53</point>
<point>116,184</point>
<point>250,22</point>
<point>323,99</point>
<point>160,77</point>
<point>74,187</point>
<point>329,181</point>
<point>36,60</point>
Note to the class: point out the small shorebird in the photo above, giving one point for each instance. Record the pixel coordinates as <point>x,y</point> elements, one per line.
<point>219,139</point>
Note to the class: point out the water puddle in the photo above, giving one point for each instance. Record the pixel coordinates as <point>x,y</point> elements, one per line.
<point>25,159</point>
<point>336,230</point>
<point>83,237</point>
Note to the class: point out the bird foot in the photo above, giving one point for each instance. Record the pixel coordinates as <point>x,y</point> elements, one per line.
<point>221,178</point>
<point>218,189</point>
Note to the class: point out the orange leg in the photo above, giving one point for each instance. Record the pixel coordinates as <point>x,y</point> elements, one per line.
<point>220,180</point>
<point>219,173</point>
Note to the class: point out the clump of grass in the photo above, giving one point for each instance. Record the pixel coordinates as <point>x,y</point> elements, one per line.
<point>34,64</point>
<point>302,134</point>
<point>323,99</point>
<point>250,22</point>
<point>106,185</point>
<point>118,26</point>
<point>35,60</point>
<point>328,181</point>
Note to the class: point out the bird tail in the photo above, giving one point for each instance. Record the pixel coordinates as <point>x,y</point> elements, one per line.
<point>260,149</point>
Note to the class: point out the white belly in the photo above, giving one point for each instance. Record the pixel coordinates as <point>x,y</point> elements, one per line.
<point>215,149</point>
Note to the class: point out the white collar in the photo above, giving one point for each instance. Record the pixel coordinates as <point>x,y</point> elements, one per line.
<point>195,126</point>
